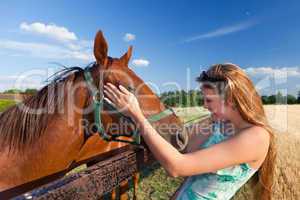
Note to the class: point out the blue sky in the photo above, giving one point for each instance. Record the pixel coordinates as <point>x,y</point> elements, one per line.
<point>173,40</point>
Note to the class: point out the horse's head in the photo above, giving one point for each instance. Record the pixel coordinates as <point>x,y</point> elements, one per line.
<point>116,71</point>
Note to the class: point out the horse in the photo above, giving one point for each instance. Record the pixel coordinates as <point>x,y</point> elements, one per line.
<point>68,121</point>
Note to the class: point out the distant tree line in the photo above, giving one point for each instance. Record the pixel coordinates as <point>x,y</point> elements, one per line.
<point>29,91</point>
<point>190,98</point>
<point>281,99</point>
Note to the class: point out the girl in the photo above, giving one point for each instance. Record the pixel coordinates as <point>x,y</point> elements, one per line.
<point>218,166</point>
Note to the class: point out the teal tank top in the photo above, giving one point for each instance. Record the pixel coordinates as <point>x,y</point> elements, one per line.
<point>220,185</point>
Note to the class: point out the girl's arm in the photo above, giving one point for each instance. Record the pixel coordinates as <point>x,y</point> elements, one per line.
<point>248,146</point>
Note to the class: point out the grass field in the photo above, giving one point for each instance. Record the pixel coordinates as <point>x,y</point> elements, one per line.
<point>4,104</point>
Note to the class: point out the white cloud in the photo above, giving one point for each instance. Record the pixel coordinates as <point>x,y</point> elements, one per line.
<point>270,80</point>
<point>20,82</point>
<point>68,47</point>
<point>128,37</point>
<point>71,46</point>
<point>140,62</point>
<point>59,33</point>
<point>278,73</point>
<point>223,31</point>
<point>43,50</point>
<point>31,78</point>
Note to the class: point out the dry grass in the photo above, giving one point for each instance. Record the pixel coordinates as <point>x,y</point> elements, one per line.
<point>286,121</point>
<point>284,118</point>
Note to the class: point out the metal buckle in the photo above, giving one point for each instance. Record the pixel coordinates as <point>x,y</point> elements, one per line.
<point>97,97</point>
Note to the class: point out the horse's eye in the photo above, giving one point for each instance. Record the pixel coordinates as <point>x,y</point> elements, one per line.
<point>130,89</point>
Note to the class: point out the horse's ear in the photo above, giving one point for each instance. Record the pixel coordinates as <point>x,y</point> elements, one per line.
<point>126,57</point>
<point>100,48</point>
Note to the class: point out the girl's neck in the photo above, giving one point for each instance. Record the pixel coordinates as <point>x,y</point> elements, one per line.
<point>239,123</point>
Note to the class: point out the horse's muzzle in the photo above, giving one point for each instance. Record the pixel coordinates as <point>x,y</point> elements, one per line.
<point>179,138</point>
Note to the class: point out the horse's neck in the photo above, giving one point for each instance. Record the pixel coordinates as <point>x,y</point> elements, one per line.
<point>75,102</point>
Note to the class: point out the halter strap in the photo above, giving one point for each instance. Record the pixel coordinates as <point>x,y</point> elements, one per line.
<point>98,102</point>
<point>159,116</point>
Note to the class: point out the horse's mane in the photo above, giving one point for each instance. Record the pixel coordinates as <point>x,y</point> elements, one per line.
<point>20,127</point>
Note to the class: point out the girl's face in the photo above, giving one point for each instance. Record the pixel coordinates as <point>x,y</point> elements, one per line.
<point>215,104</point>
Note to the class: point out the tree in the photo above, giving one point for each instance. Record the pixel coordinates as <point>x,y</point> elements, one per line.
<point>168,98</point>
<point>265,99</point>
<point>192,98</point>
<point>183,99</point>
<point>12,91</point>
<point>298,98</point>
<point>272,99</point>
<point>291,99</point>
<point>199,98</point>
<point>30,91</point>
<point>280,99</point>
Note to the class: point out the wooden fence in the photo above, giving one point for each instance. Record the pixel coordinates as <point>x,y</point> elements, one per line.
<point>96,181</point>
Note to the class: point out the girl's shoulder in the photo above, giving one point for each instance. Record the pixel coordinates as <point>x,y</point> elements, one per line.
<point>257,137</point>
<point>256,132</point>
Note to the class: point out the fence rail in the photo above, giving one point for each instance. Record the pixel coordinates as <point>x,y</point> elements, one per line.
<point>91,183</point>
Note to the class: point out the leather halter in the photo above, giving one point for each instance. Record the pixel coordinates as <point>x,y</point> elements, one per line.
<point>98,103</point>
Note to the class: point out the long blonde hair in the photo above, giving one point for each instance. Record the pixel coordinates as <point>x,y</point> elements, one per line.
<point>241,91</point>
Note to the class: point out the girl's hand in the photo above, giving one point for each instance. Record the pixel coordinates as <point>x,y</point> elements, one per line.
<point>124,100</point>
